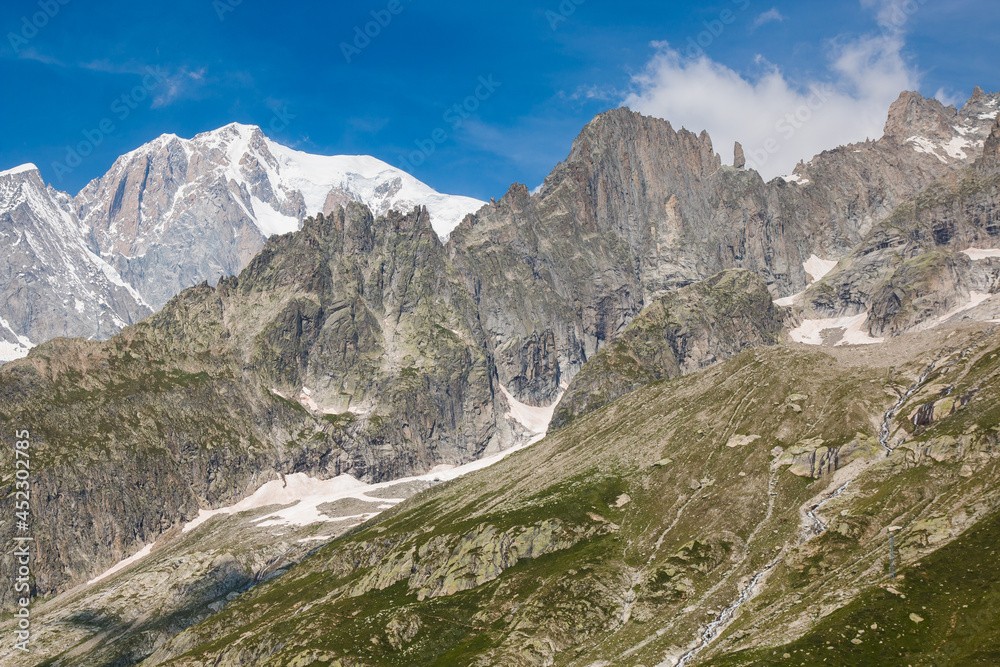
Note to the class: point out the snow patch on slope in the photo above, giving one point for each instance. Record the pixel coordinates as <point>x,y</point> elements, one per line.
<point>955,148</point>
<point>816,268</point>
<point>975,299</point>
<point>977,254</point>
<point>303,494</point>
<point>16,348</point>
<point>534,419</point>
<point>924,145</point>
<point>810,332</point>
<point>787,301</point>
<point>142,553</point>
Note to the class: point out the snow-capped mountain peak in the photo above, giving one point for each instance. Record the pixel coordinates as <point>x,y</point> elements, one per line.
<point>27,167</point>
<point>56,285</point>
<point>175,212</point>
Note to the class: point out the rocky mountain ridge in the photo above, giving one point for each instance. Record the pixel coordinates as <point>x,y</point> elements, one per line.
<point>935,259</point>
<point>639,209</point>
<point>176,212</point>
<point>688,329</point>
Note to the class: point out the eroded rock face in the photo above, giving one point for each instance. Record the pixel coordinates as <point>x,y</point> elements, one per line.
<point>679,333</point>
<point>933,259</point>
<point>168,219</point>
<point>815,458</point>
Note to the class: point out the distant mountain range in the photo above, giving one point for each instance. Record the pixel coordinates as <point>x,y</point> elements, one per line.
<point>168,215</point>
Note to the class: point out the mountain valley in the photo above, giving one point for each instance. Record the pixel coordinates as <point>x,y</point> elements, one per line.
<point>301,410</point>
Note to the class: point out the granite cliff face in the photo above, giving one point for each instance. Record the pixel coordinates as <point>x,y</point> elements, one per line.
<point>935,259</point>
<point>679,333</point>
<point>53,283</point>
<point>842,193</point>
<point>638,209</point>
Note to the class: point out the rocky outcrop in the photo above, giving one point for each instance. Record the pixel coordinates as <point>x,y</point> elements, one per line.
<point>449,564</point>
<point>815,458</point>
<point>991,148</point>
<point>679,333</point>
<point>933,259</point>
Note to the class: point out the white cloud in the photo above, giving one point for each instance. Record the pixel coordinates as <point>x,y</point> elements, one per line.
<point>893,15</point>
<point>769,16</point>
<point>32,54</point>
<point>780,121</point>
<point>179,84</point>
<point>169,87</point>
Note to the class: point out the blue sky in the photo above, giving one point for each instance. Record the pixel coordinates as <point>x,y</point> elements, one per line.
<point>116,74</point>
